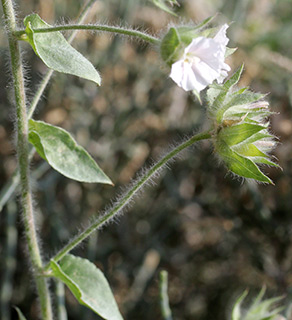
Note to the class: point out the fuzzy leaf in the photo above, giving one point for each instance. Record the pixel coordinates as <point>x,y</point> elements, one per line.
<point>56,52</point>
<point>56,146</point>
<point>88,285</point>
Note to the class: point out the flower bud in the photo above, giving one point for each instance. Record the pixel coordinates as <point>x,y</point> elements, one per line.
<point>241,136</point>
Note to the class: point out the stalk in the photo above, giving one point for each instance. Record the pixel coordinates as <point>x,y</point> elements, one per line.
<point>23,162</point>
<point>164,301</point>
<point>100,221</point>
<point>95,27</point>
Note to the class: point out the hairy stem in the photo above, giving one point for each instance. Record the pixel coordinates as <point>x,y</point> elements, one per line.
<point>100,221</point>
<point>23,162</point>
<point>97,27</point>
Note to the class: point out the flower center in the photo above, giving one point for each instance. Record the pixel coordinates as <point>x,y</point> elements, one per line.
<point>191,58</point>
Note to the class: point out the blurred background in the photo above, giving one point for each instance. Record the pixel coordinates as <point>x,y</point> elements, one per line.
<point>213,233</point>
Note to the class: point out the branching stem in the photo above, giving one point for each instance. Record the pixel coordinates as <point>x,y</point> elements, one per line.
<point>100,221</point>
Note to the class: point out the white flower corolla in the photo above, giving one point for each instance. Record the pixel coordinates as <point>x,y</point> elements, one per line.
<point>202,62</point>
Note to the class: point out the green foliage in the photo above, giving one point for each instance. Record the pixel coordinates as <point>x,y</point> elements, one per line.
<point>56,146</point>
<point>88,285</point>
<point>56,52</point>
<point>162,4</point>
<point>259,310</point>
<point>20,314</point>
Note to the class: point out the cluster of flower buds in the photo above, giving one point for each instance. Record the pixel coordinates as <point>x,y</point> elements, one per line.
<point>196,56</point>
<point>241,136</point>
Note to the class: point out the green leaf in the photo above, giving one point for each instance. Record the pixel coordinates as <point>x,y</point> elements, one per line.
<point>238,133</point>
<point>20,314</point>
<point>56,52</point>
<point>88,285</point>
<point>162,5</point>
<point>56,146</point>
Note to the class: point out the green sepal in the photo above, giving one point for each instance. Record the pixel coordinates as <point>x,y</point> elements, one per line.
<point>177,38</point>
<point>239,102</point>
<point>249,150</point>
<point>56,52</point>
<point>240,165</point>
<point>197,95</point>
<point>60,150</point>
<point>229,51</point>
<point>234,79</point>
<point>238,133</point>
<point>236,314</point>
<point>170,46</point>
<point>259,310</point>
<point>217,102</point>
<point>266,161</point>
<point>88,284</point>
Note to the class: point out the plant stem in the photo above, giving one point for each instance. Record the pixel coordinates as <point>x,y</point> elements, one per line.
<point>100,221</point>
<point>164,301</point>
<point>98,27</point>
<point>23,161</point>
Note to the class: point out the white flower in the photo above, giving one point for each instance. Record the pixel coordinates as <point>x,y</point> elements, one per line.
<point>202,62</point>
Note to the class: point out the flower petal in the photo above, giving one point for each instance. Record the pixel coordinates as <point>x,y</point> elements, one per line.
<point>202,62</point>
<point>208,50</point>
<point>183,75</point>
<point>221,37</point>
